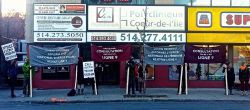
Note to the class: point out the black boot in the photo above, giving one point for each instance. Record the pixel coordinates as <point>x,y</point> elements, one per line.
<point>231,92</point>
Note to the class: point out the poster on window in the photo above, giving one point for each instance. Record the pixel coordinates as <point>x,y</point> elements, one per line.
<point>150,73</point>
<point>205,54</point>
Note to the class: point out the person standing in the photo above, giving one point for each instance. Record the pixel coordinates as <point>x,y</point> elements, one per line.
<point>140,78</point>
<point>80,78</point>
<point>244,78</point>
<point>26,72</point>
<point>131,82</point>
<point>13,77</point>
<point>230,76</point>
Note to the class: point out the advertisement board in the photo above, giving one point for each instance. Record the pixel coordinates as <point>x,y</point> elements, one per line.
<point>59,9</point>
<point>136,37</point>
<point>162,18</point>
<point>59,23</point>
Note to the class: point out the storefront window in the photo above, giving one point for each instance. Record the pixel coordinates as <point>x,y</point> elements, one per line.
<point>220,2</point>
<point>55,73</point>
<point>240,54</point>
<point>240,2</point>
<point>199,71</point>
<point>201,3</point>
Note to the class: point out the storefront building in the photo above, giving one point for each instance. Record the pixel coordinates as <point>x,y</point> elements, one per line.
<point>218,26</point>
<point>217,31</point>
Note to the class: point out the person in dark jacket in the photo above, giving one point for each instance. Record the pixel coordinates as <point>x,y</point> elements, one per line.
<point>80,78</point>
<point>13,77</point>
<point>131,82</point>
<point>141,78</point>
<point>244,78</point>
<point>230,76</point>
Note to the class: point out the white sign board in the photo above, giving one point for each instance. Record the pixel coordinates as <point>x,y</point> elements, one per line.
<point>136,37</point>
<point>9,51</point>
<point>59,36</point>
<point>235,19</point>
<point>163,18</point>
<point>59,8</point>
<point>59,23</point>
<point>88,69</point>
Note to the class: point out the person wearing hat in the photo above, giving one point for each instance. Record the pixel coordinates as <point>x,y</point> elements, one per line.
<point>230,76</point>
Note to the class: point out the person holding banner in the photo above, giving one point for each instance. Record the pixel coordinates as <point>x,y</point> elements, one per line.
<point>230,76</point>
<point>13,76</point>
<point>80,78</point>
<point>26,72</point>
<point>131,66</point>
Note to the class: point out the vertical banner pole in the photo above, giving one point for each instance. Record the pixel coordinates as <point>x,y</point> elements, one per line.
<point>76,77</point>
<point>186,78</point>
<point>226,81</point>
<point>31,82</point>
<point>95,86</point>
<point>180,88</point>
<point>127,81</point>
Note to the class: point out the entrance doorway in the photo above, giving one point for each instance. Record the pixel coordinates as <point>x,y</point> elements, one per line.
<point>108,73</point>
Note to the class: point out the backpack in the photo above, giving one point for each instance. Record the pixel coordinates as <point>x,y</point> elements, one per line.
<point>72,92</point>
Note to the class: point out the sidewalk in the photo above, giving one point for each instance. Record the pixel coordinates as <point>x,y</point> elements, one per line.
<point>116,94</point>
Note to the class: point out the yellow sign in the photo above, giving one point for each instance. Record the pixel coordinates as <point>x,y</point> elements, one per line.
<point>216,19</point>
<point>218,38</point>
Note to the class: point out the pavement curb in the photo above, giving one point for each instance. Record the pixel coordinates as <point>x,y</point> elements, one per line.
<point>125,100</point>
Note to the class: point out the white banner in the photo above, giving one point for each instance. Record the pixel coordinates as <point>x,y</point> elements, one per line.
<point>59,36</point>
<point>136,37</point>
<point>59,23</point>
<point>9,51</point>
<point>88,69</point>
<point>235,19</point>
<point>167,18</point>
<point>59,9</point>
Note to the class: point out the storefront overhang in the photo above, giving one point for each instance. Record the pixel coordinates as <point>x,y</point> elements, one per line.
<point>226,38</point>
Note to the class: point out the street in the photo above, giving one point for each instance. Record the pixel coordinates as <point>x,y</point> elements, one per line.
<point>169,105</point>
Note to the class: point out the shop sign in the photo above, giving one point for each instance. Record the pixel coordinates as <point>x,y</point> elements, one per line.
<point>235,19</point>
<point>59,36</point>
<point>205,54</point>
<point>88,69</point>
<point>110,53</point>
<point>136,37</point>
<point>223,19</point>
<point>43,56</point>
<point>167,55</point>
<point>59,23</point>
<point>162,18</point>
<point>9,51</point>
<point>59,9</point>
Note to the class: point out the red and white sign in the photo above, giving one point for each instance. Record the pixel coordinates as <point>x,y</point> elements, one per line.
<point>235,19</point>
<point>59,9</point>
<point>110,53</point>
